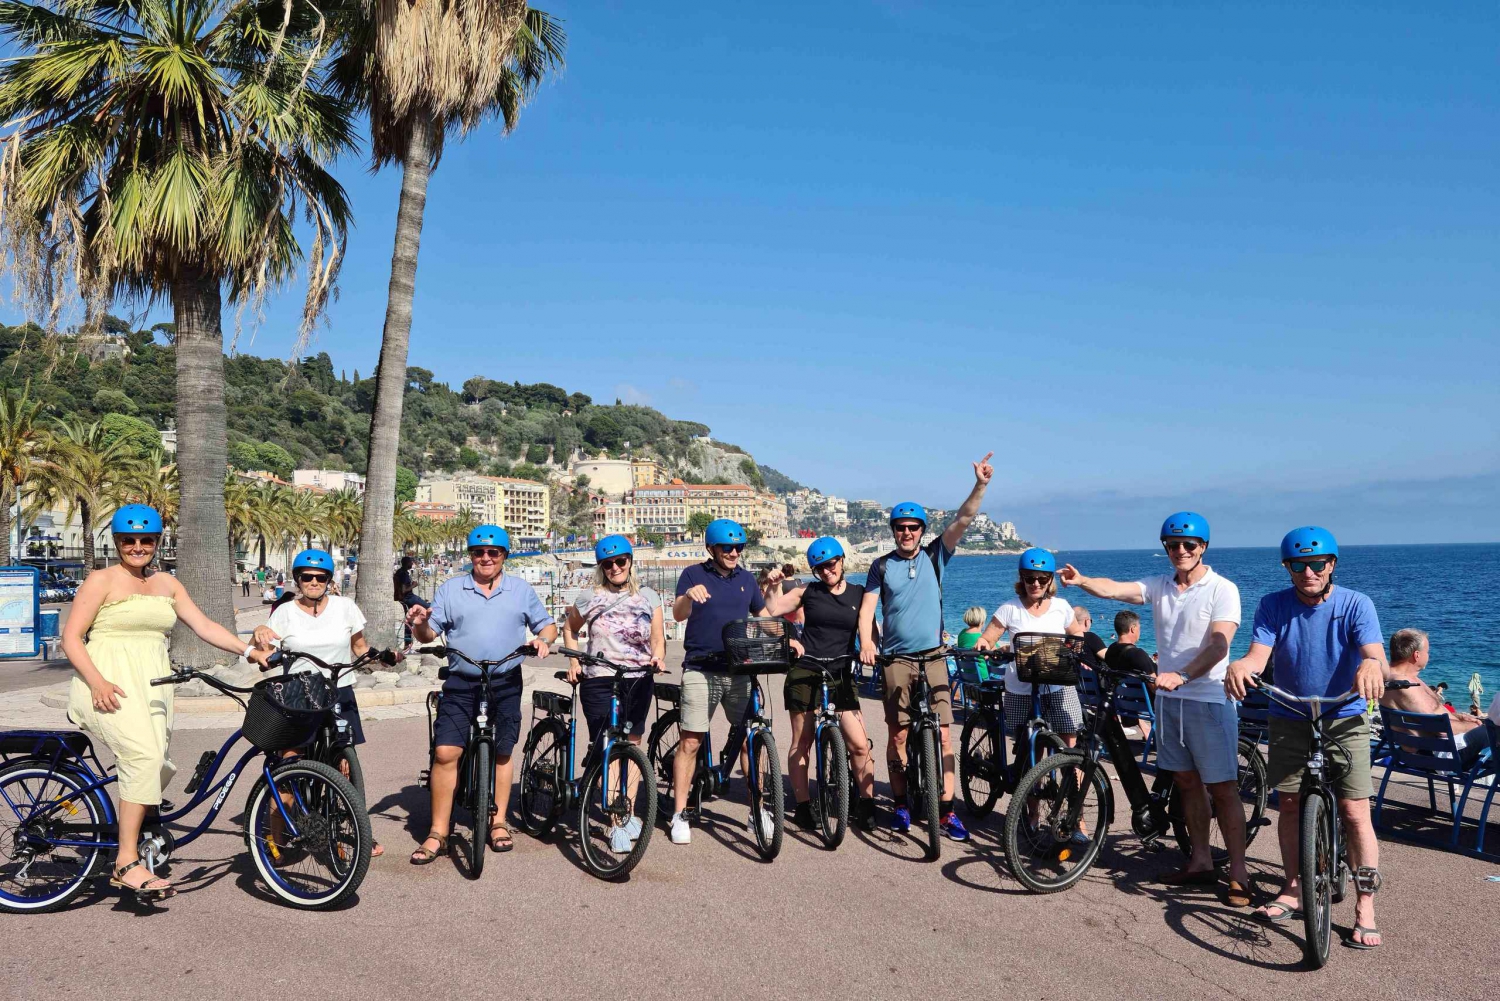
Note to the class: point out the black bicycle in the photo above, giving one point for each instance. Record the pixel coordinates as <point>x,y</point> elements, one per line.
<point>476,766</point>
<point>616,798</point>
<point>985,772</point>
<point>924,763</point>
<point>833,778</point>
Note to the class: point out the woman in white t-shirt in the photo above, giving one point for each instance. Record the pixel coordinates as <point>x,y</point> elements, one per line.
<point>1035,609</point>
<point>329,627</point>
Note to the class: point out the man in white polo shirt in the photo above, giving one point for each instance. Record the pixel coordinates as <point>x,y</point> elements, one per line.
<point>1196,613</point>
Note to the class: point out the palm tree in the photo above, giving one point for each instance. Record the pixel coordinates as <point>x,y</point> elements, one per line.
<point>342,513</point>
<point>166,150</point>
<point>24,446</point>
<point>424,70</point>
<point>83,476</point>
<point>265,514</point>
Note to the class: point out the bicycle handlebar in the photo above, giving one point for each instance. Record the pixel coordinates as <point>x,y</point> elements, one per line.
<point>584,657</point>
<point>1296,702</point>
<point>994,656</point>
<point>937,653</point>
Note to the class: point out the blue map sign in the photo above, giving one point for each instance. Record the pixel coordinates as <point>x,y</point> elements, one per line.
<point>20,612</point>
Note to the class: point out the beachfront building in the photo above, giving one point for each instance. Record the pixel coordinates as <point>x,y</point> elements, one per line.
<point>769,515</point>
<point>329,479</point>
<point>432,512</point>
<point>480,494</point>
<point>525,509</point>
<point>735,501</point>
<point>660,508</point>
<point>606,476</point>
<point>647,472</point>
<point>613,517</point>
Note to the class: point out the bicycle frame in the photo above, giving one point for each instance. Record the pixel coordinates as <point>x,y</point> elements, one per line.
<point>1108,735</point>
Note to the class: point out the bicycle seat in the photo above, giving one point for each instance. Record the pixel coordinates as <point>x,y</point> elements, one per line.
<point>43,743</point>
<point>560,675</point>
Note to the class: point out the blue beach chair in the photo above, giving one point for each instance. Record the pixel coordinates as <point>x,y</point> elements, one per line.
<point>1133,699</point>
<point>1422,745</point>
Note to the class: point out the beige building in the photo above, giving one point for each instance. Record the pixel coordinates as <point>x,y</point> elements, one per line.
<point>613,517</point>
<point>769,517</point>
<point>736,501</point>
<point>526,509</point>
<point>606,476</point>
<point>329,479</point>
<point>480,494</point>
<point>660,508</point>
<point>646,472</point>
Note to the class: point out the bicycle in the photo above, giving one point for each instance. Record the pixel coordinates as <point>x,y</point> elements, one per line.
<point>475,791</point>
<point>1075,800</point>
<point>305,827</point>
<point>924,767</point>
<point>1323,854</point>
<point>752,646</point>
<point>834,778</point>
<point>985,771</point>
<point>548,786</point>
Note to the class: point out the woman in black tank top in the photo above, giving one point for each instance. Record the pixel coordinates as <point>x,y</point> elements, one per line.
<point>830,607</point>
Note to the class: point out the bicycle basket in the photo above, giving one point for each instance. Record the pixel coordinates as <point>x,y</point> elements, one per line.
<point>552,703</point>
<point>757,646</point>
<point>286,712</point>
<point>1046,659</point>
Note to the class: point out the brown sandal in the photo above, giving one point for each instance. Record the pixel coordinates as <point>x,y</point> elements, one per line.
<point>145,890</point>
<point>502,842</point>
<point>423,855</point>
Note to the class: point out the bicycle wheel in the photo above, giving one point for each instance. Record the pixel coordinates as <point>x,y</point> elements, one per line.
<point>832,778</point>
<point>346,760</point>
<point>542,777</point>
<point>1341,871</point>
<point>481,778</point>
<point>1068,795</point>
<point>1252,791</point>
<point>924,790</point>
<point>765,792</point>
<point>603,813</point>
<point>981,765</point>
<point>1316,862</point>
<point>661,748</point>
<point>309,837</point>
<point>36,876</point>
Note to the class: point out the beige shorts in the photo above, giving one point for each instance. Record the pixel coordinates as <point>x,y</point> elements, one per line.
<point>899,675</point>
<point>702,691</point>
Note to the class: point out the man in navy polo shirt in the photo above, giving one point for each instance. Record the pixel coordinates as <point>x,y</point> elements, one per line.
<point>486,615</point>
<point>710,595</point>
<point>908,584</point>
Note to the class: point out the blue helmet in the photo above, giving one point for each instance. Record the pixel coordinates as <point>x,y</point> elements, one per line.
<point>822,550</point>
<point>611,546</point>
<point>724,532</point>
<point>489,535</point>
<point>136,519</point>
<point>1185,525</point>
<point>1039,560</point>
<point>1310,540</point>
<point>909,510</point>
<point>312,559</point>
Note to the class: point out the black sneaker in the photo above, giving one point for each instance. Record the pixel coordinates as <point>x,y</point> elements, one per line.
<point>863,814</point>
<point>802,816</point>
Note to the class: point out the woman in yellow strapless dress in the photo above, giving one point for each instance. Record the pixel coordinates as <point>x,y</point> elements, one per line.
<point>127,613</point>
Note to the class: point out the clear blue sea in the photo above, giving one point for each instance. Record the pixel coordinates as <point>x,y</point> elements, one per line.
<point>1451,591</point>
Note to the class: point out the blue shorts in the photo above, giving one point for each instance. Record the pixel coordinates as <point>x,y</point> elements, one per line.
<point>1202,737</point>
<point>460,701</point>
<point>596,694</point>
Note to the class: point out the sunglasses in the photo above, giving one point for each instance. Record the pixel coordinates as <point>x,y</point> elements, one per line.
<point>616,563</point>
<point>829,567</point>
<point>313,578</point>
<point>907,528</point>
<point>1035,578</point>
<point>737,547</point>
<point>136,540</point>
<point>1298,566</point>
<point>493,554</point>
<point>1186,545</point>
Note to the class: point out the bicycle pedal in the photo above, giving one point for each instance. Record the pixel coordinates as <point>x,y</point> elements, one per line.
<point>424,777</point>
<point>200,772</point>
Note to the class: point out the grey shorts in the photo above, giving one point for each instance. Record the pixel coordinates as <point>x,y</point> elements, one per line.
<point>702,691</point>
<point>1202,737</point>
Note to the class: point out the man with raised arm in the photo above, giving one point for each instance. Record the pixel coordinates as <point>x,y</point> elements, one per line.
<point>907,582</point>
<point>1196,613</point>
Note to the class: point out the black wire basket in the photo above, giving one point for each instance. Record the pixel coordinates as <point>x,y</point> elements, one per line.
<point>286,712</point>
<point>1046,658</point>
<point>758,646</point>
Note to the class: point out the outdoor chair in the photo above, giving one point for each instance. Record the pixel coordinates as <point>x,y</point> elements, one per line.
<point>1422,745</point>
<point>1133,698</point>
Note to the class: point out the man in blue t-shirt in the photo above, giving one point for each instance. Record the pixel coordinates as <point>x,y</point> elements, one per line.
<point>1327,642</point>
<point>710,595</point>
<point>907,582</point>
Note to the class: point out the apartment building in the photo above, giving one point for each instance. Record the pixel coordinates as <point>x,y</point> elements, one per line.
<point>769,516</point>
<point>647,472</point>
<point>329,479</point>
<point>613,517</point>
<point>660,508</point>
<point>736,501</point>
<point>526,509</point>
<point>432,512</point>
<point>480,494</point>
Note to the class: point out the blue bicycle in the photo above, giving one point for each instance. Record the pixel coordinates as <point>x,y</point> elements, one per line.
<point>835,784</point>
<point>305,825</point>
<point>615,798</point>
<point>985,771</point>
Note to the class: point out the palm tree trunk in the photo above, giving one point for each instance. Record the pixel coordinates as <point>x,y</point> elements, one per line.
<point>7,491</point>
<point>202,455</point>
<point>376,549</point>
<point>86,517</point>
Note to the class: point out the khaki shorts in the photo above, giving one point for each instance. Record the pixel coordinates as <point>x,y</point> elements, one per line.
<point>1346,755</point>
<point>899,675</point>
<point>702,691</point>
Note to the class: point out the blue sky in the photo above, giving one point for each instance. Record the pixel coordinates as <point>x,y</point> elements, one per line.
<point>1154,256</point>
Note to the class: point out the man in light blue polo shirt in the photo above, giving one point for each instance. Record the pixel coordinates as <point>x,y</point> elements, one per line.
<point>486,615</point>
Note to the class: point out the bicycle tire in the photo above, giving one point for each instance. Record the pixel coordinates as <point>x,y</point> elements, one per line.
<point>833,785</point>
<point>765,792</point>
<point>597,857</point>
<point>541,778</point>
<point>929,779</point>
<point>981,765</point>
<point>1252,789</point>
<point>1316,861</point>
<point>72,875</point>
<point>331,818</point>
<point>666,734</point>
<point>481,774</point>
<point>348,756</point>
<point>1032,850</point>
<point>1341,871</point>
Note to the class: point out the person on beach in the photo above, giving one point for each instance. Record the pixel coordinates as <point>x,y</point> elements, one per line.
<point>1327,641</point>
<point>327,626</point>
<point>116,639</point>
<point>486,614</point>
<point>907,583</point>
<point>1196,613</point>
<point>830,607</point>
<point>624,623</point>
<point>710,595</point>
<point>1472,733</point>
<point>1125,657</point>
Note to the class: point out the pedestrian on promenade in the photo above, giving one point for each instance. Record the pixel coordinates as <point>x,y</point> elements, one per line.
<point>1410,651</point>
<point>907,583</point>
<point>1196,613</point>
<point>486,615</point>
<point>244,583</point>
<point>116,639</point>
<point>1326,641</point>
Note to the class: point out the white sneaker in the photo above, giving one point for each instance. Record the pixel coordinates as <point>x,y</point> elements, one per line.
<point>767,826</point>
<point>633,828</point>
<point>619,840</point>
<point>681,832</point>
